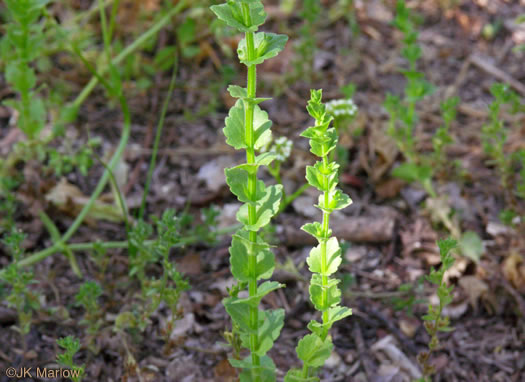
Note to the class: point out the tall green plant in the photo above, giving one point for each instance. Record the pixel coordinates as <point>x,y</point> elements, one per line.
<point>315,348</point>
<point>248,127</point>
<point>22,44</point>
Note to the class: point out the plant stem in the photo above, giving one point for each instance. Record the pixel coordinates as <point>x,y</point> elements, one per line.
<point>289,199</point>
<point>325,234</point>
<point>129,50</point>
<point>41,255</point>
<point>158,134</point>
<point>252,187</point>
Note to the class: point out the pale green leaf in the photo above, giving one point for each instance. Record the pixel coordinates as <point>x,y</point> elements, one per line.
<point>324,179</point>
<point>267,45</point>
<point>239,92</point>
<point>333,294</point>
<point>240,252</point>
<point>239,312</point>
<point>332,256</point>
<point>269,331</point>
<point>337,200</point>
<point>296,375</point>
<point>232,14</point>
<point>471,246</point>
<point>266,207</point>
<point>262,290</point>
<point>335,313</point>
<point>313,351</point>
<point>316,230</point>
<point>322,147</point>
<point>235,130</point>
<point>263,159</point>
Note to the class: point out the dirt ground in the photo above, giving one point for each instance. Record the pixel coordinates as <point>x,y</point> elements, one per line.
<point>391,238</point>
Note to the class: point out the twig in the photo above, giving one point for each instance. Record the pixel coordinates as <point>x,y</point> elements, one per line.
<point>486,66</point>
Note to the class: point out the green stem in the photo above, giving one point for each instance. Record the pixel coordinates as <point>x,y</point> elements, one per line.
<point>325,232</point>
<point>289,199</point>
<point>252,184</point>
<point>129,50</point>
<point>41,255</point>
<point>306,370</point>
<point>158,134</point>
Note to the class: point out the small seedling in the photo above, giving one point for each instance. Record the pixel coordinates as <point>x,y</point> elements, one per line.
<point>403,115</point>
<point>434,320</point>
<point>315,348</point>
<point>71,346</point>
<point>494,133</point>
<point>171,284</point>
<point>87,297</point>
<point>248,127</point>
<point>307,45</point>
<point>20,297</point>
<point>442,137</point>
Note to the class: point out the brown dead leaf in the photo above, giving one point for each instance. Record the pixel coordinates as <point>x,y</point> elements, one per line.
<point>69,199</point>
<point>514,270</point>
<point>190,264</point>
<point>419,238</point>
<point>383,152</point>
<point>224,372</point>
<point>474,288</point>
<point>389,188</point>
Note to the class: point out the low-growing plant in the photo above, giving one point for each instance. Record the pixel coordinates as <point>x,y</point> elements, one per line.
<point>20,297</point>
<point>442,137</point>
<point>403,115</point>
<point>248,127</point>
<point>87,297</point>
<point>306,47</point>
<point>315,348</point>
<point>494,134</point>
<point>435,322</point>
<point>71,346</point>
<point>171,284</point>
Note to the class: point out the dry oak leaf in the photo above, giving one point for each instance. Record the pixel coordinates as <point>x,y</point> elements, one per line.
<point>513,268</point>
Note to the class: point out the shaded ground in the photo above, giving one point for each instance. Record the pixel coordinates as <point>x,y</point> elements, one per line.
<point>393,244</point>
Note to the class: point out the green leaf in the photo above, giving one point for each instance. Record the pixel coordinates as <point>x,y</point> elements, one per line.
<point>266,207</point>
<point>239,312</point>
<point>262,290</point>
<point>232,14</point>
<point>337,200</point>
<point>269,331</point>
<point>238,92</point>
<point>313,351</point>
<point>266,370</point>
<point>267,45</point>
<point>316,229</point>
<point>296,375</point>
<point>323,146</point>
<point>411,172</point>
<point>333,257</point>
<point>446,245</point>
<point>235,130</point>
<point>335,314</point>
<point>20,76</point>
<point>240,252</point>
<point>471,246</point>
<point>237,179</point>
<point>263,159</point>
<point>321,177</point>
<point>333,294</point>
